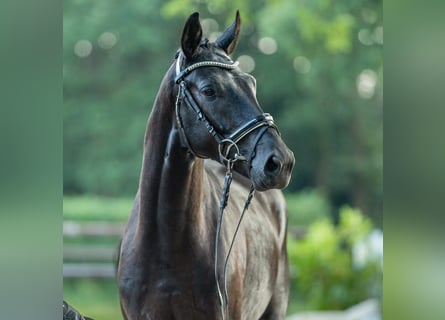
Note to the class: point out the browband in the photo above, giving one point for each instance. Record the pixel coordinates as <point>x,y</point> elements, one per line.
<point>180,75</point>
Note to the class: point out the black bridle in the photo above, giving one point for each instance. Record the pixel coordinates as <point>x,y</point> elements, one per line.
<point>225,144</point>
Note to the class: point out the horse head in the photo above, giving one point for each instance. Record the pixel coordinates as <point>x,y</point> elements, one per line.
<point>218,114</point>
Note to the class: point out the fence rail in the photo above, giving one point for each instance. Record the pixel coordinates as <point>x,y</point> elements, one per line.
<point>92,229</point>
<point>90,258</point>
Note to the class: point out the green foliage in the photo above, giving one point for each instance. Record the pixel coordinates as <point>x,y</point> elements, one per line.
<point>334,34</point>
<point>327,275</point>
<point>335,131</point>
<point>108,92</point>
<point>306,206</point>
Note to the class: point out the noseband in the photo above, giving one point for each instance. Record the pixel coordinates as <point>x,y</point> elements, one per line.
<point>225,143</point>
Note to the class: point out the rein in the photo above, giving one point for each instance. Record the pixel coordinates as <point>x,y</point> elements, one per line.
<point>225,145</point>
<point>222,293</point>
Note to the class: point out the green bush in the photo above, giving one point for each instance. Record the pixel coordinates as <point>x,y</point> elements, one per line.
<point>329,273</point>
<point>306,207</point>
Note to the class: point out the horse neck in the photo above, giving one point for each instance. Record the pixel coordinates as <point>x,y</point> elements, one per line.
<point>171,178</point>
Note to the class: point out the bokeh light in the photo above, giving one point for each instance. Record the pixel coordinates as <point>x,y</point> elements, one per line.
<point>366,83</point>
<point>267,45</point>
<point>83,48</point>
<point>377,35</point>
<point>107,40</point>
<point>209,26</point>
<point>246,63</point>
<point>365,37</point>
<point>302,64</point>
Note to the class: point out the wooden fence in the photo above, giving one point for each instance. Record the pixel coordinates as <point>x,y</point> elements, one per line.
<point>90,249</point>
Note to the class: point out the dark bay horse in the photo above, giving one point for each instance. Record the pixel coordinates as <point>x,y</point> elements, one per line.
<point>206,107</point>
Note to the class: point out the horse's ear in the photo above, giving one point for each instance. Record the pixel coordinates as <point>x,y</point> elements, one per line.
<point>191,36</point>
<point>228,39</point>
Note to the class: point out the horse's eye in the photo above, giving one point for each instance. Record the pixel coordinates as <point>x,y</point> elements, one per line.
<point>207,91</point>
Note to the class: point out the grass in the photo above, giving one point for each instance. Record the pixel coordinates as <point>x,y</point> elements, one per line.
<point>94,208</point>
<point>97,299</point>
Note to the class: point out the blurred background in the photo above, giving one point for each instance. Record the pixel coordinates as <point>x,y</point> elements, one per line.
<point>319,72</point>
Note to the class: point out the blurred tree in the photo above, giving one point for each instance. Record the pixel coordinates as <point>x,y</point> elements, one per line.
<point>328,96</point>
<point>319,69</point>
<point>114,59</point>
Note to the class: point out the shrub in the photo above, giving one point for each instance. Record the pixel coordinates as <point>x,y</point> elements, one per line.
<point>306,207</point>
<point>330,268</point>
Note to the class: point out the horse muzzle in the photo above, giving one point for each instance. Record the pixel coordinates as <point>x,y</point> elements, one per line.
<point>271,168</point>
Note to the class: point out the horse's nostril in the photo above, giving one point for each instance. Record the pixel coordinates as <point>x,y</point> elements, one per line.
<point>273,166</point>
